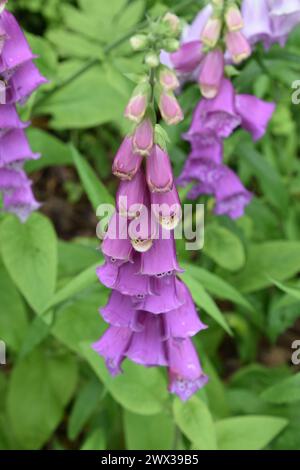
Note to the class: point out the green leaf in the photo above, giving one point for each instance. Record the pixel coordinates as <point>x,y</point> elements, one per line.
<point>286,391</point>
<point>139,389</point>
<point>224,247</point>
<point>86,402</point>
<point>13,319</point>
<point>96,191</point>
<point>269,178</point>
<point>46,56</point>
<point>53,151</point>
<point>37,332</point>
<point>87,101</point>
<point>82,313</point>
<point>30,255</point>
<point>75,257</point>
<point>216,285</point>
<point>70,44</point>
<point>74,287</point>
<point>95,441</point>
<point>155,432</point>
<point>195,421</point>
<point>282,315</point>
<point>291,291</point>
<point>204,301</point>
<point>40,388</point>
<point>248,432</point>
<point>279,260</point>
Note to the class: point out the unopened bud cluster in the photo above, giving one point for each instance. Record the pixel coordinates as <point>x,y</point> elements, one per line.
<point>222,32</point>
<point>157,86</point>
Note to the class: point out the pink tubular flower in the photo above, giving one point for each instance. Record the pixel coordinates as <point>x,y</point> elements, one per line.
<point>211,73</point>
<point>136,108</point>
<point>166,208</point>
<point>185,372</point>
<point>143,137</point>
<point>138,103</point>
<point>238,46</point>
<point>168,79</point>
<point>234,19</point>
<point>21,79</point>
<point>211,32</point>
<point>127,162</point>
<point>170,109</point>
<point>159,171</point>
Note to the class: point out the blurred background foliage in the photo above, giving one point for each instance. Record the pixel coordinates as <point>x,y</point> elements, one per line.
<point>55,392</point>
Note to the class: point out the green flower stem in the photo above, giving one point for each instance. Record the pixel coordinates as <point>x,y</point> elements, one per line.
<point>92,62</point>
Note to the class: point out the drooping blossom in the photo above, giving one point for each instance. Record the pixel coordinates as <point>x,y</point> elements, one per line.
<point>21,79</point>
<point>151,314</point>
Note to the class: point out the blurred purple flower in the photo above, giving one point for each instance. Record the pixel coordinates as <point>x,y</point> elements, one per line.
<point>270,21</point>
<point>22,78</point>
<point>214,120</point>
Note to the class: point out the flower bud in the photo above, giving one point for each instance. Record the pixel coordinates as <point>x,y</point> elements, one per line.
<point>170,109</point>
<point>211,32</point>
<point>212,73</point>
<point>138,103</point>
<point>238,46</point>
<point>152,60</point>
<point>143,137</point>
<point>171,45</point>
<point>159,172</point>
<point>173,22</point>
<point>126,162</point>
<point>234,19</point>
<point>139,42</point>
<point>168,79</point>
